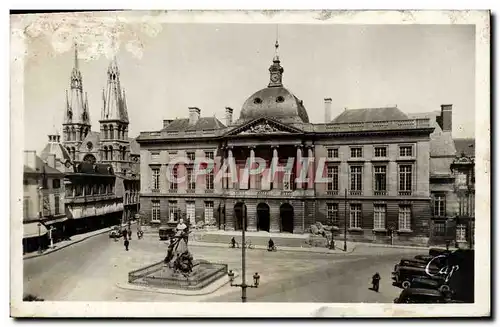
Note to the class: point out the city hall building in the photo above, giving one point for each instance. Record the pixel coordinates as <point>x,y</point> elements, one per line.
<point>369,169</point>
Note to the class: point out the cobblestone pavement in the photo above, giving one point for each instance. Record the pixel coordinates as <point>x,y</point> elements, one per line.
<point>90,270</point>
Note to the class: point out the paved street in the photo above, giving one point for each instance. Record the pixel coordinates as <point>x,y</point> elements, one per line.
<point>90,270</point>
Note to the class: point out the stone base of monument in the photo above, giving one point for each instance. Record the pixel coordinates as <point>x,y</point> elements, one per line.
<point>160,276</point>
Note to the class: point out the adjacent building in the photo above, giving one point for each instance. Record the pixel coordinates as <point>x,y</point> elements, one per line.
<point>43,201</point>
<point>369,169</point>
<point>101,169</point>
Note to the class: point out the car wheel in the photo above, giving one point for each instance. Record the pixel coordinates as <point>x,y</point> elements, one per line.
<point>406,284</point>
<point>444,288</point>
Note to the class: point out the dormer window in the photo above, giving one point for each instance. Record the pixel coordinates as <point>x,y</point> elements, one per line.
<point>280,99</point>
<point>257,100</point>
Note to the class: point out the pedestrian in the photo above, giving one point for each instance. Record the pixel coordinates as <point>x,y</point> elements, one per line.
<point>270,245</point>
<point>376,281</point>
<point>130,233</point>
<point>126,243</point>
<point>233,243</point>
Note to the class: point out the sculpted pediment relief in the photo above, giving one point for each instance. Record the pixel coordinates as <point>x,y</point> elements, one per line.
<point>262,128</point>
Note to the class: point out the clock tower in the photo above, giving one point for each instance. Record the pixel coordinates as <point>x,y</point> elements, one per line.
<point>276,71</point>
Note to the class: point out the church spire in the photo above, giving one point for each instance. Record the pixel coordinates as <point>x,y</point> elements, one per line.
<point>113,98</point>
<point>276,71</point>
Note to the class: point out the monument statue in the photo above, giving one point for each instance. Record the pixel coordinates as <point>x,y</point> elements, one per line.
<point>178,256</point>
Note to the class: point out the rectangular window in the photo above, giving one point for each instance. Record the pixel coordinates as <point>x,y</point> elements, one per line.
<point>258,181</point>
<point>406,151</point>
<point>355,216</point>
<point>210,180</point>
<point>155,211</point>
<point>333,153</point>
<point>26,207</point>
<point>405,178</point>
<point>439,229</point>
<point>46,205</point>
<point>45,182</point>
<point>190,179</point>
<point>209,212</point>
<point>380,178</point>
<point>156,178</point>
<point>56,204</point>
<point>379,216</point>
<point>356,152</point>
<point>190,156</point>
<point>173,178</point>
<point>461,233</point>
<point>332,213</point>
<point>333,178</point>
<point>191,212</point>
<point>173,211</point>
<point>404,217</point>
<point>209,155</point>
<point>56,183</point>
<point>356,178</point>
<point>439,205</point>
<point>380,151</point>
<point>287,181</point>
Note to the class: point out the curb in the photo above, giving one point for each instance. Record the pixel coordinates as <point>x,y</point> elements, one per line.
<point>209,289</point>
<point>64,246</point>
<point>410,247</point>
<point>283,249</point>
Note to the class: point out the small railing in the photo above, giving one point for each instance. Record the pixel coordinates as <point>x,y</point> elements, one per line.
<point>355,192</point>
<point>172,190</point>
<point>379,192</point>
<point>332,192</point>
<point>404,193</point>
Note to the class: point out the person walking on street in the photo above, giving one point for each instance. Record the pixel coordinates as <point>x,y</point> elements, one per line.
<point>129,233</point>
<point>270,245</point>
<point>376,281</point>
<point>126,243</point>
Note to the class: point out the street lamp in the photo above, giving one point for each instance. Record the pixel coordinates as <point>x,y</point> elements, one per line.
<point>256,276</point>
<point>243,285</point>
<point>39,238</point>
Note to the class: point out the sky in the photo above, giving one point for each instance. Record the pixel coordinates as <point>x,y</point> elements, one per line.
<point>213,66</point>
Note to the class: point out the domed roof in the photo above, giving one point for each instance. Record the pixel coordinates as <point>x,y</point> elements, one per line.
<point>274,102</point>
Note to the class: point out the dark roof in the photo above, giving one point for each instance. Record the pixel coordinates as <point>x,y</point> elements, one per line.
<point>88,168</point>
<point>370,114</point>
<point>465,146</point>
<point>203,123</point>
<point>55,148</point>
<point>266,103</point>
<point>42,168</point>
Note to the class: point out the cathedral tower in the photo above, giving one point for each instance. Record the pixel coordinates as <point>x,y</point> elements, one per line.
<point>76,124</point>
<point>115,144</point>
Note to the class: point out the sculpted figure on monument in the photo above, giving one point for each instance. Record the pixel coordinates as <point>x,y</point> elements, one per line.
<point>178,257</point>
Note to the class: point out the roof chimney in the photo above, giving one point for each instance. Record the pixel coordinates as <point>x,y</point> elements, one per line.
<point>194,115</point>
<point>328,110</point>
<point>30,159</point>
<point>51,160</point>
<point>445,119</point>
<point>229,116</point>
<point>167,122</point>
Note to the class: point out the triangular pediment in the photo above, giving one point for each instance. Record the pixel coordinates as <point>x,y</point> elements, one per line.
<point>263,126</point>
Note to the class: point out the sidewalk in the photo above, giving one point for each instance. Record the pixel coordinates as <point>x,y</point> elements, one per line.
<point>74,240</point>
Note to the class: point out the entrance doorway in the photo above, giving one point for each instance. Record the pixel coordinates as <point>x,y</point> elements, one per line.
<point>240,216</point>
<point>263,220</point>
<point>286,218</point>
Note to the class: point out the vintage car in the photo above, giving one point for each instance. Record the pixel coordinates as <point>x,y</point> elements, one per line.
<point>424,257</point>
<point>422,295</point>
<point>436,283</point>
<point>434,252</point>
<point>116,232</point>
<point>407,270</point>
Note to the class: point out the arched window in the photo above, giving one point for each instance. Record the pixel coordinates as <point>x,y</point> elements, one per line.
<point>105,150</point>
<point>73,154</point>
<point>73,134</point>
<point>110,153</point>
<point>123,133</point>
<point>119,132</point>
<point>105,130</point>
<point>89,158</point>
<point>111,132</point>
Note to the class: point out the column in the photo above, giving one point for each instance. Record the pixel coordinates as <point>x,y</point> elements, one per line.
<point>230,167</point>
<point>252,161</point>
<point>310,171</point>
<point>298,166</point>
<point>274,159</point>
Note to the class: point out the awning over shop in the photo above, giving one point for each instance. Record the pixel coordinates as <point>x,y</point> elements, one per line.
<point>54,221</point>
<point>33,230</point>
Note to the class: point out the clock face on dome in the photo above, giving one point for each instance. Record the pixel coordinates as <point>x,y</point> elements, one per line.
<point>275,78</point>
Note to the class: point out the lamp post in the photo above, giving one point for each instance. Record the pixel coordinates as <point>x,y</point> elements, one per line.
<point>39,238</point>
<point>256,276</point>
<point>345,220</point>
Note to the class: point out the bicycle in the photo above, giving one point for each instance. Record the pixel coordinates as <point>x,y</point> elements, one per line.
<point>273,249</point>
